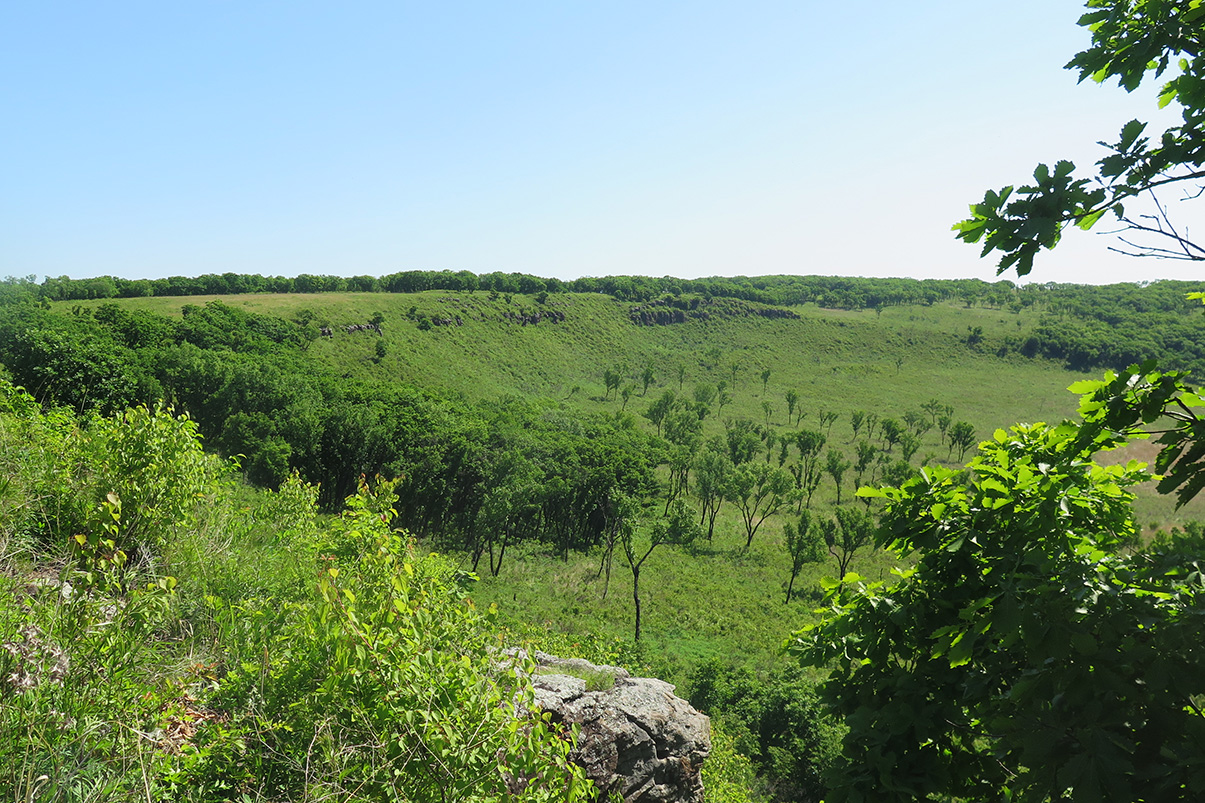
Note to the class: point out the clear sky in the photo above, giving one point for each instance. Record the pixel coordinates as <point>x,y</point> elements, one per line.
<point>700,138</point>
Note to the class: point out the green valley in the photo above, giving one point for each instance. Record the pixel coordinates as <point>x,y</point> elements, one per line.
<point>550,444</point>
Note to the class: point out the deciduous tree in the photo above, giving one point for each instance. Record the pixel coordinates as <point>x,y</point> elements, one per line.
<point>712,470</point>
<point>1133,41</point>
<point>759,491</point>
<point>836,465</point>
<point>805,544</point>
<point>1024,657</point>
<point>845,536</point>
<point>962,437</point>
<point>676,528</point>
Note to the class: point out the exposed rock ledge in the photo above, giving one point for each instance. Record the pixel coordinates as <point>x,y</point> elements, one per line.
<point>637,738</point>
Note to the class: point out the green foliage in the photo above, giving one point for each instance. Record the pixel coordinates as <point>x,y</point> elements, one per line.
<point>388,686</point>
<point>676,528</point>
<point>1124,404</point>
<point>851,531</point>
<point>78,370</point>
<point>805,544</point>
<point>777,720</point>
<point>727,774</point>
<point>1023,657</point>
<point>758,491</point>
<point>79,707</point>
<point>494,474</point>
<point>658,410</point>
<point>152,461</point>
<point>384,682</point>
<point>1132,40</point>
<point>961,437</point>
<point>42,495</point>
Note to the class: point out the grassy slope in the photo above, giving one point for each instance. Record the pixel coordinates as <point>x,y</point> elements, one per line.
<point>834,359</point>
<point>718,601</point>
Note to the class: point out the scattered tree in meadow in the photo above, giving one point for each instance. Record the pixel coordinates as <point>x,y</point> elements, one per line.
<point>856,419</point>
<point>867,452</point>
<point>677,528</point>
<point>909,444</point>
<point>681,376</point>
<point>734,368</point>
<point>684,431</point>
<point>872,423</point>
<point>659,409</point>
<point>765,380</point>
<point>646,378</point>
<point>917,422</point>
<point>611,380</point>
<point>626,393</point>
<point>792,402</point>
<point>827,419</point>
<point>805,544</point>
<point>767,410</point>
<point>759,491</point>
<point>962,437</point>
<point>934,408</point>
<point>845,536</point>
<point>722,399</point>
<point>742,439</point>
<point>770,438</point>
<point>683,428</point>
<point>892,430</point>
<point>713,468</point>
<point>943,424</point>
<point>835,466</point>
<point>807,471</point>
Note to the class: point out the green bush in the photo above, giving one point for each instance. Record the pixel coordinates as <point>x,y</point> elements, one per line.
<point>153,462</point>
<point>387,686</point>
<point>42,475</point>
<point>728,776</point>
<point>778,721</point>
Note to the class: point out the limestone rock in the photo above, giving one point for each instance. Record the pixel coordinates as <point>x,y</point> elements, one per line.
<point>637,738</point>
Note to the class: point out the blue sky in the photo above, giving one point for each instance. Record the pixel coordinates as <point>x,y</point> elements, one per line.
<point>701,138</point>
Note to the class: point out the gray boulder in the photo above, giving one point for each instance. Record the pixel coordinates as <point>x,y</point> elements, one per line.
<point>636,737</point>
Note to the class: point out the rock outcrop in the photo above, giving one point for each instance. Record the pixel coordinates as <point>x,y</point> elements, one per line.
<point>636,737</point>
<point>665,312</point>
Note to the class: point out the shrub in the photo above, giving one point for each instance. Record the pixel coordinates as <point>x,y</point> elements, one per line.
<point>153,462</point>
<point>387,686</point>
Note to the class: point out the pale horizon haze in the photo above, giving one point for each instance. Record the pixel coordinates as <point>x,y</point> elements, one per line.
<point>145,140</point>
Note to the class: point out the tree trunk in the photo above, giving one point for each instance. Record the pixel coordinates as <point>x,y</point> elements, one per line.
<point>711,521</point>
<point>497,567</point>
<point>636,598</point>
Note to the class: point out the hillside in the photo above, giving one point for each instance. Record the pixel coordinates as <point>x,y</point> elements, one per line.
<point>836,359</point>
<point>888,362</point>
<point>532,434</point>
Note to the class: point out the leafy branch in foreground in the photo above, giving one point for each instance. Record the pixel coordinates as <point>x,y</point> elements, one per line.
<point>1025,656</point>
<point>1131,41</point>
